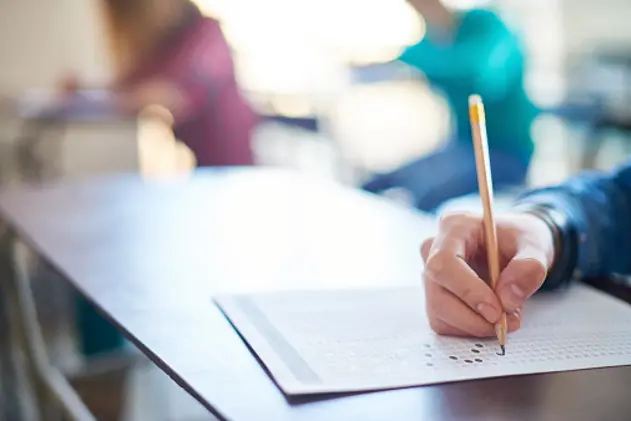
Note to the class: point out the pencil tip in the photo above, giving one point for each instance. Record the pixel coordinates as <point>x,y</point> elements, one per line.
<point>503,348</point>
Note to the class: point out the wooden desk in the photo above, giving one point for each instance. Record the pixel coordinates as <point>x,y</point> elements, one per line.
<point>150,256</point>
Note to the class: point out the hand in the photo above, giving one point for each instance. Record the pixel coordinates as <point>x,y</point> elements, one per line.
<point>459,301</point>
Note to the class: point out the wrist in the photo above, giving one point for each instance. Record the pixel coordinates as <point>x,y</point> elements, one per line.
<point>550,236</point>
<point>563,235</point>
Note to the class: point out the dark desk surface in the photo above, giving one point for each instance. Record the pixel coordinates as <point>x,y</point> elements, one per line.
<point>151,255</point>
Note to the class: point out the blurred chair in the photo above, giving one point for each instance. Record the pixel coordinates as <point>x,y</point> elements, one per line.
<point>74,140</point>
<point>599,100</point>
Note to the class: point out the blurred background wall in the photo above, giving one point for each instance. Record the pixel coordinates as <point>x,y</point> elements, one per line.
<point>41,39</point>
<point>33,31</point>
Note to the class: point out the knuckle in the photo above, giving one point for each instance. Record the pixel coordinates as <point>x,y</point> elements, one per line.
<point>449,219</point>
<point>458,221</point>
<point>471,218</point>
<point>436,263</point>
<point>466,294</point>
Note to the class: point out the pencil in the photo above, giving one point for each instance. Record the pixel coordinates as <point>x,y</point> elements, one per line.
<point>485,184</point>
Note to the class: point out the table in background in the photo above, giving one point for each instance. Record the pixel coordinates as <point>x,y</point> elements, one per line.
<point>151,255</point>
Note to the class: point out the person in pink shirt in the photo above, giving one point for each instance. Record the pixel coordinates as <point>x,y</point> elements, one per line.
<point>165,52</point>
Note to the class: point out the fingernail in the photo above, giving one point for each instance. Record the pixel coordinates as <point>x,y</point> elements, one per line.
<point>488,312</point>
<point>513,296</point>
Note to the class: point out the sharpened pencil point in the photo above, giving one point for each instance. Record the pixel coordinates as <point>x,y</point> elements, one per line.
<point>503,348</point>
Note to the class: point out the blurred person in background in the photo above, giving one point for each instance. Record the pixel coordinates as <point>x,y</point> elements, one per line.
<point>165,52</point>
<point>464,53</point>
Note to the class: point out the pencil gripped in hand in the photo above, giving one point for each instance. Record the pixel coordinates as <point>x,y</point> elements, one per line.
<point>485,184</point>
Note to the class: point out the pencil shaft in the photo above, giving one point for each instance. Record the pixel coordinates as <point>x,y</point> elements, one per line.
<point>485,184</point>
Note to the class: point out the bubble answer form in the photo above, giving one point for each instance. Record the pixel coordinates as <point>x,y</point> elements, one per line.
<point>331,341</point>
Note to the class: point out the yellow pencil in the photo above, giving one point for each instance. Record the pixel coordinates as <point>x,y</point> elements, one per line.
<point>485,184</point>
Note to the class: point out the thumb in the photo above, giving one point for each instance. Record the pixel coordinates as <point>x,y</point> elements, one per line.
<point>426,247</point>
<point>521,278</point>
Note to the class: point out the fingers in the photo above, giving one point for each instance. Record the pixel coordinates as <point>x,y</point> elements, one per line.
<point>446,268</point>
<point>443,328</point>
<point>459,302</point>
<point>521,278</point>
<point>450,316</point>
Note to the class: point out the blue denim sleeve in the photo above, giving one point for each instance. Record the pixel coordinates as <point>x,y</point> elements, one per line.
<point>598,208</point>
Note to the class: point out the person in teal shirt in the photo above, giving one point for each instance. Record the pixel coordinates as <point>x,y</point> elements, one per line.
<point>465,53</point>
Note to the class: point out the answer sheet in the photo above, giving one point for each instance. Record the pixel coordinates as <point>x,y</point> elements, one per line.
<point>332,341</point>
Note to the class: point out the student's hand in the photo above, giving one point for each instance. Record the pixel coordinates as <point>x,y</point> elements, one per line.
<point>459,301</point>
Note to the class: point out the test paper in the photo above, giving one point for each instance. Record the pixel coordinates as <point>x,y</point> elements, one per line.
<point>358,340</point>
